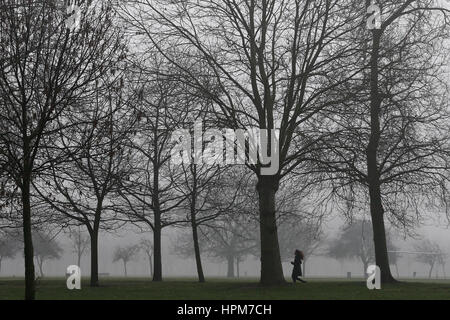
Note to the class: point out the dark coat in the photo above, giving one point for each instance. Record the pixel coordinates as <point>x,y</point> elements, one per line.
<point>297,271</point>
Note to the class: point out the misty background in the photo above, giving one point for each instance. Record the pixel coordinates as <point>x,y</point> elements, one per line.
<point>318,265</point>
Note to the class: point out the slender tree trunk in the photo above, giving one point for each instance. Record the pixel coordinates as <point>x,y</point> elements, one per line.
<point>151,265</point>
<point>271,268</point>
<point>94,258</point>
<point>125,268</point>
<point>237,268</point>
<point>0,265</point>
<point>431,271</point>
<point>230,269</point>
<point>41,267</point>
<point>157,254</point>
<point>157,273</point>
<point>27,237</point>
<point>376,205</point>
<point>198,258</point>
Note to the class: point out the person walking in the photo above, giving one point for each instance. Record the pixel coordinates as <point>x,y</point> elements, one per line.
<point>297,271</point>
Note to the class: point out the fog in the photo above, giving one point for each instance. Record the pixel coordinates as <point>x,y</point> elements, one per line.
<point>317,266</point>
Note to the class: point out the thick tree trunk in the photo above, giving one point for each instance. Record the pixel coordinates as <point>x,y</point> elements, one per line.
<point>379,235</point>
<point>28,239</point>
<point>79,260</point>
<point>94,259</point>
<point>271,268</point>
<point>157,256</point>
<point>198,258</point>
<point>230,269</point>
<point>376,205</point>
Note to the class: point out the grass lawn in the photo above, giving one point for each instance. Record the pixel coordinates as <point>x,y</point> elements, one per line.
<point>214,289</point>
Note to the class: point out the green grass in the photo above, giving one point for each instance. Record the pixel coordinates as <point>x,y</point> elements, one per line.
<point>189,289</point>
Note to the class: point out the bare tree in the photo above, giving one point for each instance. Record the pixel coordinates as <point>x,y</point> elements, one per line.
<point>82,188</point>
<point>391,136</point>
<point>263,64</point>
<point>45,248</point>
<point>355,241</point>
<point>148,196</point>
<point>9,247</point>
<point>302,234</point>
<point>147,246</point>
<point>211,192</point>
<point>430,253</point>
<point>45,68</point>
<point>230,238</point>
<point>126,254</point>
<point>80,243</point>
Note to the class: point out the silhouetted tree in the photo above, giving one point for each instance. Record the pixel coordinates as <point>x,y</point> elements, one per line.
<point>147,246</point>
<point>211,191</point>
<point>46,67</point>
<point>262,64</point>
<point>82,189</point>
<point>302,234</point>
<point>80,243</point>
<point>9,247</point>
<point>126,254</point>
<point>45,248</point>
<point>379,151</point>
<point>356,242</point>
<point>148,195</point>
<point>430,253</point>
<point>230,238</point>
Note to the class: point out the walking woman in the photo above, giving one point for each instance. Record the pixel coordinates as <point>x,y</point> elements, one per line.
<point>297,271</point>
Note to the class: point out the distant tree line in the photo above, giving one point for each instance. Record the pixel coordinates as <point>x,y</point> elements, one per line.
<point>358,119</point>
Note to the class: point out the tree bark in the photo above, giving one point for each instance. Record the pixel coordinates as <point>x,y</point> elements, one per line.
<point>27,237</point>
<point>94,259</point>
<point>198,258</point>
<point>376,205</point>
<point>271,268</point>
<point>230,269</point>
<point>157,269</point>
